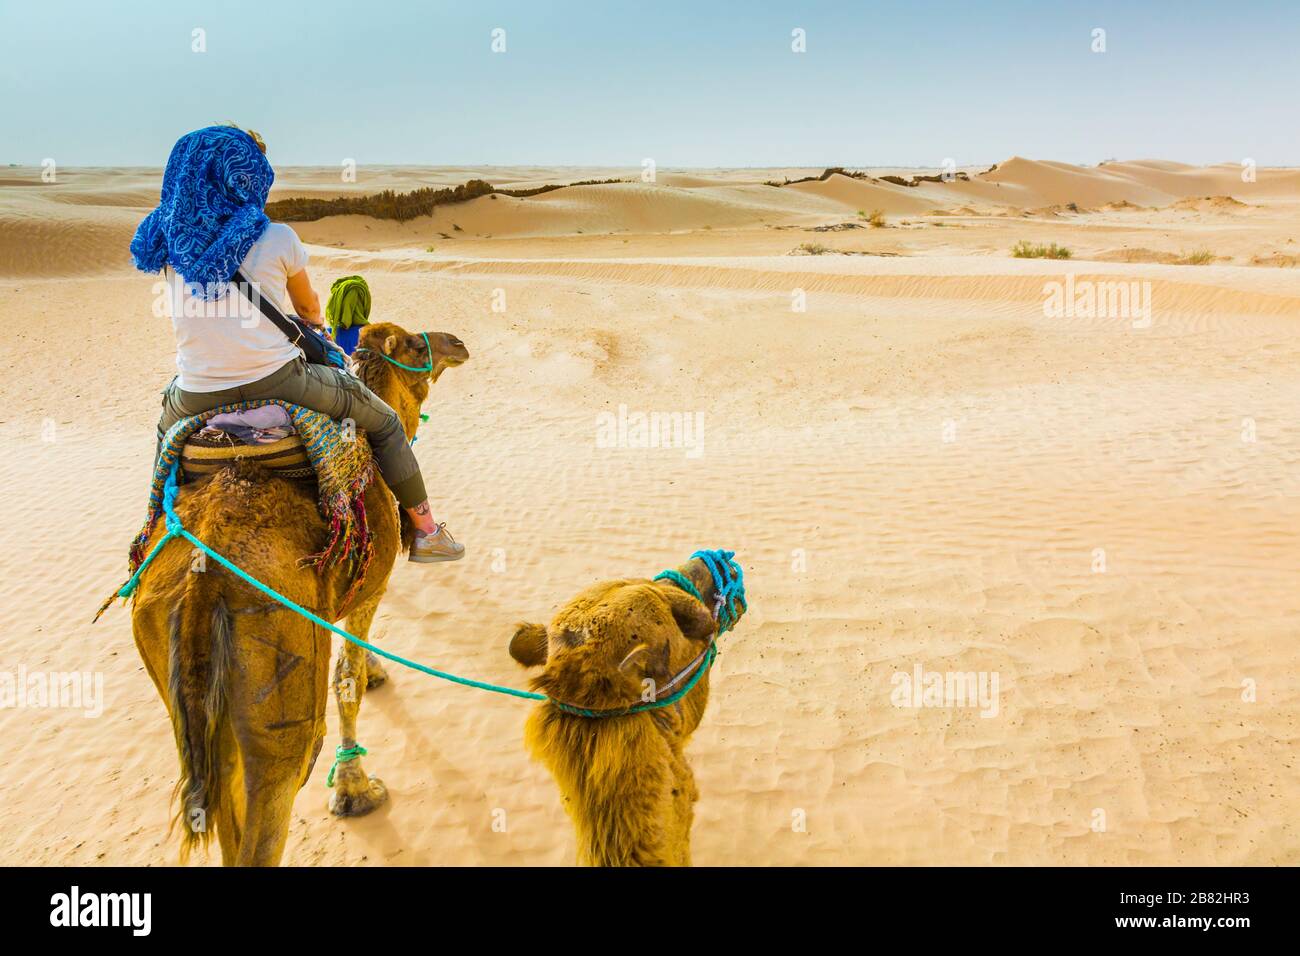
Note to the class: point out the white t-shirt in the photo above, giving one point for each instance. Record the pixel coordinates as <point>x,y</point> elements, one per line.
<point>227,342</point>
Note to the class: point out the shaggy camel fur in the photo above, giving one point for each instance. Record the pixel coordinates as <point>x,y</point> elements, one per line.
<point>624,780</point>
<point>245,679</point>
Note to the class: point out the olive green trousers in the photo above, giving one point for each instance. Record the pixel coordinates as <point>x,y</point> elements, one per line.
<point>331,392</point>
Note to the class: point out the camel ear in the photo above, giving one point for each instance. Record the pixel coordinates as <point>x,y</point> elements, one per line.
<point>390,344</point>
<point>692,617</point>
<point>528,646</point>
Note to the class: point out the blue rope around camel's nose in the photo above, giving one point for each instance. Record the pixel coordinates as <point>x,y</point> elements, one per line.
<point>728,583</point>
<point>728,586</point>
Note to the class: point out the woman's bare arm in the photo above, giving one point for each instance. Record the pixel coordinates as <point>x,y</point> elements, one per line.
<point>305,301</point>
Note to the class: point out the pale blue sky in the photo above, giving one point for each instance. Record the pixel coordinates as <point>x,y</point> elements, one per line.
<point>687,83</point>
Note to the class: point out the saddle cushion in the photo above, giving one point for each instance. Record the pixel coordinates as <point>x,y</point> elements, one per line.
<point>339,457</point>
<point>286,458</point>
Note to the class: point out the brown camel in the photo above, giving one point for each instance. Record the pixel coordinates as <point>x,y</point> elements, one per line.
<point>244,678</point>
<point>624,780</point>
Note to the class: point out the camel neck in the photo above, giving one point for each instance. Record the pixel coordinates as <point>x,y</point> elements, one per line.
<point>403,392</point>
<point>617,829</point>
<point>629,812</point>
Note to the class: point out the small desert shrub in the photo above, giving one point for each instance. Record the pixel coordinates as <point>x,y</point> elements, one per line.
<point>1201,257</point>
<point>813,249</point>
<point>826,174</point>
<point>403,206</point>
<point>1029,250</point>
<point>385,205</point>
<point>877,219</point>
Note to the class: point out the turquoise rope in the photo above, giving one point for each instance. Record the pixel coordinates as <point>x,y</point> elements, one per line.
<point>423,418</point>
<point>728,586</point>
<point>409,368</point>
<point>682,581</point>
<point>129,588</point>
<point>175,529</point>
<point>343,755</point>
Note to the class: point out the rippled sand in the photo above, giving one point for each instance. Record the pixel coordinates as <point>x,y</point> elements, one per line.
<point>919,468</point>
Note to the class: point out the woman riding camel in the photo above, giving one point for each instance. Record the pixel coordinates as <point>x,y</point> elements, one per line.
<point>211,223</point>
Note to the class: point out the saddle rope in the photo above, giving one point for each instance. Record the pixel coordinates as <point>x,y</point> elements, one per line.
<point>728,581</point>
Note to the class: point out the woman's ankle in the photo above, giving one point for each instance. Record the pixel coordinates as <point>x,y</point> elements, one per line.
<point>422,517</point>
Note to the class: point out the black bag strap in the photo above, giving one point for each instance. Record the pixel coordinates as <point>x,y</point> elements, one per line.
<point>269,309</point>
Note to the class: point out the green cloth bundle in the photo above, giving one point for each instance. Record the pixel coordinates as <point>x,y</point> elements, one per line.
<point>349,303</point>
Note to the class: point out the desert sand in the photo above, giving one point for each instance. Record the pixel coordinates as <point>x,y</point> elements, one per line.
<point>919,467</point>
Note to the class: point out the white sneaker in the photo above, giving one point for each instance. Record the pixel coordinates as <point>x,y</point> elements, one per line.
<point>439,546</point>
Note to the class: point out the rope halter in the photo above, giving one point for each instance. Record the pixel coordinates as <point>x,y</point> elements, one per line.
<point>392,361</point>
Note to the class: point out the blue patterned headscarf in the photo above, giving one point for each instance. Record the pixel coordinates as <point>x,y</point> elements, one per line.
<point>211,211</point>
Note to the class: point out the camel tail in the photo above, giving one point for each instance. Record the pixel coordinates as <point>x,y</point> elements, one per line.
<point>200,659</point>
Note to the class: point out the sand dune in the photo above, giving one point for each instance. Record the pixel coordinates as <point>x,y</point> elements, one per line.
<point>868,196</point>
<point>918,468</point>
<point>44,242</point>
<point>1032,183</point>
<point>657,208</point>
<point>77,226</point>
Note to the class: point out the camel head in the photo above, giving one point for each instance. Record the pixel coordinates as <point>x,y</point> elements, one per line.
<point>408,347</point>
<point>404,389</point>
<point>618,643</point>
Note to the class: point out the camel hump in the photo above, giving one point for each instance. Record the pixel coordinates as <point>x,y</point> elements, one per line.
<point>234,505</point>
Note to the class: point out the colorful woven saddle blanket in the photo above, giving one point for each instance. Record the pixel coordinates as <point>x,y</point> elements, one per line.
<point>338,457</point>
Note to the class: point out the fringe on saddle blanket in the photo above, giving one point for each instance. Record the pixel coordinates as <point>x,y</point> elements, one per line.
<point>344,469</point>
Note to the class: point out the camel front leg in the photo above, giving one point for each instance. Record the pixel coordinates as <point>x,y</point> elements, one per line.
<point>355,794</point>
